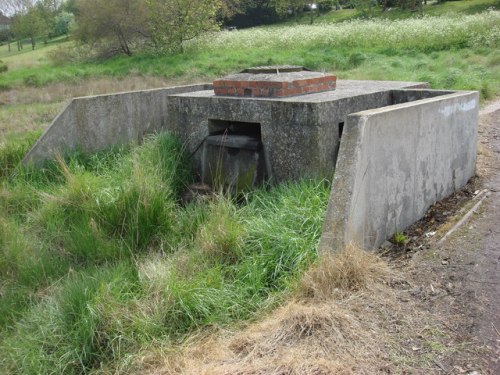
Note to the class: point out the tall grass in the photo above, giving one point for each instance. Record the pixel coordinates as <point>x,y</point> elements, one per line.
<point>103,260</point>
<point>12,152</point>
<point>427,34</point>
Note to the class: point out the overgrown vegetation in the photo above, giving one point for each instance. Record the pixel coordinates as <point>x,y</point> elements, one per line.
<point>99,259</point>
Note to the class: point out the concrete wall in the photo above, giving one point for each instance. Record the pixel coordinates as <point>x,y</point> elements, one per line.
<point>395,162</point>
<point>290,134</point>
<point>300,134</point>
<point>96,122</point>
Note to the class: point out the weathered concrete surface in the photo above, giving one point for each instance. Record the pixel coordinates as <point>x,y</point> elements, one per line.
<point>96,122</point>
<point>300,135</point>
<point>409,148</point>
<point>395,162</point>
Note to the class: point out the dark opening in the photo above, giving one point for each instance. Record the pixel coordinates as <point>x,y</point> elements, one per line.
<point>216,127</point>
<point>341,129</point>
<point>247,92</point>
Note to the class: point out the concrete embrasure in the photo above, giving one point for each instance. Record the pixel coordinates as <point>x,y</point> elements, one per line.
<point>300,135</point>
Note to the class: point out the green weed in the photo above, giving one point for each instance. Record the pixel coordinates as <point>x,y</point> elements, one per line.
<point>399,239</point>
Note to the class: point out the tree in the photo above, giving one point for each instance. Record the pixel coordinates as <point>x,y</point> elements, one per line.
<point>175,21</point>
<point>6,35</point>
<point>70,6</point>
<point>30,24</point>
<point>250,13</point>
<point>115,25</point>
<point>288,7</point>
<point>63,22</point>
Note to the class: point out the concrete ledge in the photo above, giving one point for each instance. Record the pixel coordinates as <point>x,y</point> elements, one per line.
<point>95,123</point>
<point>395,162</point>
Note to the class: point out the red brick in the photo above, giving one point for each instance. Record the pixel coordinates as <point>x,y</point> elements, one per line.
<point>300,83</point>
<point>317,81</point>
<point>295,91</point>
<point>274,84</point>
<point>274,88</point>
<point>331,78</point>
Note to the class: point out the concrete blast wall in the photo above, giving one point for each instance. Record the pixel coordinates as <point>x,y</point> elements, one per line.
<point>97,122</point>
<point>395,162</point>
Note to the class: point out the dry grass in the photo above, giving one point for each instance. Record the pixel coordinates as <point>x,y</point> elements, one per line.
<point>16,120</point>
<point>57,92</point>
<point>346,319</point>
<point>342,274</point>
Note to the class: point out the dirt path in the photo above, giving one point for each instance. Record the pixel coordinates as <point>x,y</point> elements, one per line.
<point>485,277</point>
<point>460,280</point>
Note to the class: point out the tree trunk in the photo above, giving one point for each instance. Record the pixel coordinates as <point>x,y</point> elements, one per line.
<point>33,43</point>
<point>123,44</point>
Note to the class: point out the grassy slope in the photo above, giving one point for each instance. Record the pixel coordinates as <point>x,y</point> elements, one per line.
<point>433,8</point>
<point>445,64</point>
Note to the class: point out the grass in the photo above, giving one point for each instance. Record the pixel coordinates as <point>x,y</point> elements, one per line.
<point>451,52</point>
<point>433,8</point>
<point>344,318</point>
<point>101,261</point>
<point>99,258</point>
<point>27,56</point>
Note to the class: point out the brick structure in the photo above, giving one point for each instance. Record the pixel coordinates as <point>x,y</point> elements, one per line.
<point>274,82</point>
